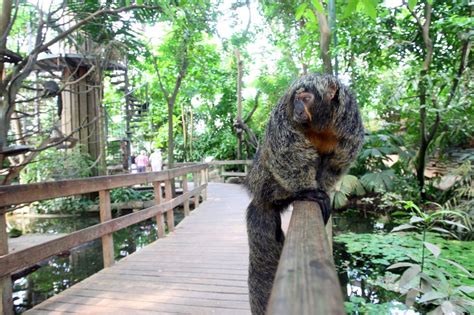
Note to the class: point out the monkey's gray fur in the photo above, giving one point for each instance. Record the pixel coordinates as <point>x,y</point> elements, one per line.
<point>298,156</point>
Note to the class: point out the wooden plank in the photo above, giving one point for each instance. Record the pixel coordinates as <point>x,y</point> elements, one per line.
<point>27,257</point>
<point>306,280</point>
<point>107,239</point>
<point>169,212</point>
<point>185,190</point>
<point>6,300</point>
<point>18,194</point>
<point>160,224</point>
<point>231,162</point>
<point>236,174</point>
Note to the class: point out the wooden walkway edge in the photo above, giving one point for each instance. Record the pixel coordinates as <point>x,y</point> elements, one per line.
<point>200,268</point>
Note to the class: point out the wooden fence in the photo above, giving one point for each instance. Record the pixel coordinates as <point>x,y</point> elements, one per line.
<point>20,194</point>
<point>306,281</point>
<point>223,173</point>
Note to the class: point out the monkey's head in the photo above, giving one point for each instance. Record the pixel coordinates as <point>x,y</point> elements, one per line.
<point>314,102</point>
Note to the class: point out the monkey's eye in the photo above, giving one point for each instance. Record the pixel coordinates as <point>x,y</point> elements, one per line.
<point>306,99</point>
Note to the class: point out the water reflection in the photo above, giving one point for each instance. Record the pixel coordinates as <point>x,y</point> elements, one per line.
<point>60,272</point>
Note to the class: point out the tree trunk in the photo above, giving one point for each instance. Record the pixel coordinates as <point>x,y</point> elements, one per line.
<point>170,135</point>
<point>324,41</point>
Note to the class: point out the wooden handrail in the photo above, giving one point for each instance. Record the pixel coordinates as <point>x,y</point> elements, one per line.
<point>231,162</point>
<point>306,281</point>
<point>18,194</point>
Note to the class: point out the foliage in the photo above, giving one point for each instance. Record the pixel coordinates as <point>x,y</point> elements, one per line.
<point>55,164</point>
<point>129,194</point>
<point>66,205</point>
<point>377,252</point>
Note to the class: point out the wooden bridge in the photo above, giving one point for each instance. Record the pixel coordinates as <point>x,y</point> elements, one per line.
<point>200,267</point>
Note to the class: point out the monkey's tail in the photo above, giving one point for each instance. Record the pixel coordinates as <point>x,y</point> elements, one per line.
<point>266,240</point>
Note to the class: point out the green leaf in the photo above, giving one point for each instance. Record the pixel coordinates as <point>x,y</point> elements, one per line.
<point>318,5</point>
<point>435,250</point>
<point>400,265</point>
<point>455,264</point>
<point>350,7</point>
<point>448,307</point>
<point>416,219</point>
<point>300,11</point>
<point>412,4</point>
<point>402,227</point>
<point>466,289</point>
<point>309,14</point>
<point>370,8</point>
<point>409,275</point>
<point>432,295</point>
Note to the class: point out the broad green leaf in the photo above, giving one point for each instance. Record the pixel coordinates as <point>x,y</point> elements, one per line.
<point>309,14</point>
<point>444,231</point>
<point>435,250</point>
<point>448,307</point>
<point>300,11</point>
<point>416,219</point>
<point>411,297</point>
<point>350,7</point>
<point>318,5</point>
<point>409,274</point>
<point>466,289</point>
<point>400,265</point>
<point>402,227</point>
<point>432,295</point>
<point>370,8</point>
<point>412,4</point>
<point>455,264</point>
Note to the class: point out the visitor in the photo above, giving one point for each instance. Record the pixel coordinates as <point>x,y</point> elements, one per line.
<point>142,161</point>
<point>156,161</point>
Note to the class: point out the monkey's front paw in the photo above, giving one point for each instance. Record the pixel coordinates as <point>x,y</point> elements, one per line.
<point>321,197</point>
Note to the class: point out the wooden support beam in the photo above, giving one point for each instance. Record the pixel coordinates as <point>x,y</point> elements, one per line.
<point>203,180</point>
<point>6,302</point>
<point>196,184</point>
<point>107,239</point>
<point>160,223</point>
<point>306,281</point>
<point>185,190</point>
<point>169,211</point>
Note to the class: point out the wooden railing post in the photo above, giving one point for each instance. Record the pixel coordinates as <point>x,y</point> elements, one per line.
<point>160,223</point>
<point>196,185</point>
<point>185,190</point>
<point>107,239</point>
<point>203,181</point>
<point>6,302</point>
<point>169,212</point>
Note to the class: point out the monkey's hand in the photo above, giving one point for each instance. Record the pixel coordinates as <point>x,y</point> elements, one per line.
<point>321,197</point>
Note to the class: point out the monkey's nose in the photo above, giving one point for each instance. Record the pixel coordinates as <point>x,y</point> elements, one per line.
<point>300,114</point>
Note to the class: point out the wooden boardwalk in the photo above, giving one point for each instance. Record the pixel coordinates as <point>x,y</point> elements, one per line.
<point>201,268</point>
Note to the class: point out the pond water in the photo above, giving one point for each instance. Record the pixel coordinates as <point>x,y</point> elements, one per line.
<point>61,272</point>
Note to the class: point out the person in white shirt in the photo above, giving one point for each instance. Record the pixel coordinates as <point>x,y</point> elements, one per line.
<point>156,161</point>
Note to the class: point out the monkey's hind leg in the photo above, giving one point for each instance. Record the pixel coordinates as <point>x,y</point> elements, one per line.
<point>266,240</point>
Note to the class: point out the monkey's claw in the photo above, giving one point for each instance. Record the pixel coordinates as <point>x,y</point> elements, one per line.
<point>319,196</point>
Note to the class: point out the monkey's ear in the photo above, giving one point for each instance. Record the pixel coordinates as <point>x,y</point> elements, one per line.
<point>330,91</point>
